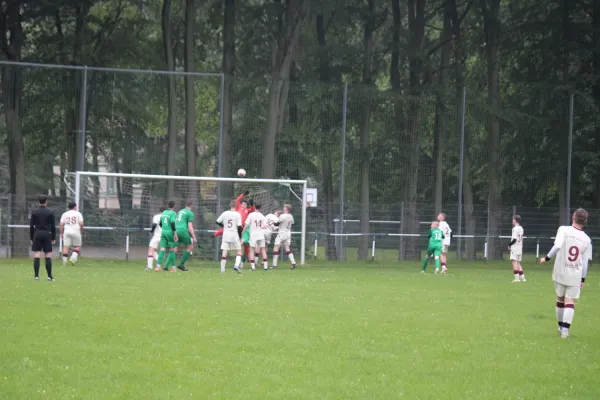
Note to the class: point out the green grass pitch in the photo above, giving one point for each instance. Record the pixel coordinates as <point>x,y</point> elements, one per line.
<point>110,330</point>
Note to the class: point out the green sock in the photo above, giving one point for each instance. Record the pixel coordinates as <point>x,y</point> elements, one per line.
<point>171,260</point>
<point>161,256</point>
<point>186,255</point>
<point>437,263</point>
<point>425,261</point>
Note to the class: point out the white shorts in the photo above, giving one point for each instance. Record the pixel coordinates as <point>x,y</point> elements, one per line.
<point>268,236</point>
<point>235,245</point>
<point>155,242</point>
<point>567,291</point>
<point>445,248</point>
<point>257,243</point>
<point>515,256</point>
<point>71,239</point>
<point>284,240</point>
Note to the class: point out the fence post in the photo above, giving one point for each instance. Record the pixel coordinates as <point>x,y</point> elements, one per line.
<point>461,169</point>
<point>8,230</point>
<point>343,171</point>
<point>401,255</point>
<point>0,226</point>
<point>570,157</point>
<point>82,124</point>
<point>220,158</point>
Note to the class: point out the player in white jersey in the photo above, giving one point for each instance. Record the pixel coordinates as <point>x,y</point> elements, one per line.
<point>516,249</point>
<point>445,228</point>
<point>572,248</point>
<point>231,222</point>
<point>256,224</point>
<point>154,244</point>
<point>272,226</point>
<point>71,228</point>
<point>284,237</point>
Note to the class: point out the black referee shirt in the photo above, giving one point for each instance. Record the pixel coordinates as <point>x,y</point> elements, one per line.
<point>42,219</point>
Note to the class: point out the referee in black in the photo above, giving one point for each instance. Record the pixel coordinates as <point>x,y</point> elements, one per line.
<point>42,233</point>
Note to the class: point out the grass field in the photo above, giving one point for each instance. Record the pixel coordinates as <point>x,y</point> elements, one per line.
<point>110,330</point>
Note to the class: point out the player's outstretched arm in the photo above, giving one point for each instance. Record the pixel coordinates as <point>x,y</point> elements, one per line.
<point>238,200</point>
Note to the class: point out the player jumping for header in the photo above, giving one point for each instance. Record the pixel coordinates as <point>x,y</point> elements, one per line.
<point>436,236</point>
<point>241,206</point>
<point>572,248</point>
<point>445,228</point>
<point>516,249</point>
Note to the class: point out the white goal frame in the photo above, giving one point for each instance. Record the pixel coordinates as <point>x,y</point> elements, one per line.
<point>79,174</point>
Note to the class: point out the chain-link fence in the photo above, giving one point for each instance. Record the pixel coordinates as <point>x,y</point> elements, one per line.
<point>384,163</point>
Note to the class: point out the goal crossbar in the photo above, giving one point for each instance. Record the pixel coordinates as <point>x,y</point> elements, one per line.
<point>79,174</point>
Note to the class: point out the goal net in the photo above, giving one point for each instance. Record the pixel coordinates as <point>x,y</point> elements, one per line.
<point>118,208</point>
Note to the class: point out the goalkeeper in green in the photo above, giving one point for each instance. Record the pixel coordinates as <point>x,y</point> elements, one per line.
<point>435,246</point>
<point>184,227</point>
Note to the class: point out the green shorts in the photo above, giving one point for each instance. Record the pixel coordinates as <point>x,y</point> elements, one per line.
<point>184,238</point>
<point>246,237</point>
<point>167,240</point>
<point>435,251</point>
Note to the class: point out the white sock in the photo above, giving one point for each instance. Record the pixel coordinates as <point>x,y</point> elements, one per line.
<point>74,256</point>
<point>522,276</point>
<point>291,257</point>
<point>150,262</point>
<point>275,258</point>
<point>265,263</point>
<point>223,261</point>
<point>560,307</point>
<point>568,314</point>
<point>252,264</point>
<point>238,261</point>
<point>517,276</point>
<point>155,255</point>
<point>65,259</point>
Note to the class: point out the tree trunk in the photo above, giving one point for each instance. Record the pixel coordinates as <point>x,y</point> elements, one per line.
<point>190,103</point>
<point>491,27</point>
<point>439,129</point>
<point>171,96</point>
<point>416,25</point>
<point>291,18</point>
<point>459,67</point>
<point>365,131</point>
<point>327,145</point>
<point>11,41</point>
<point>229,75</point>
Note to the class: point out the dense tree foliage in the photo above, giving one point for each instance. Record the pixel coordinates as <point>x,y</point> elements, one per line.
<point>285,64</point>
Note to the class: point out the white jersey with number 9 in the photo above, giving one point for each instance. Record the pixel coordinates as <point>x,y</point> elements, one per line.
<point>575,246</point>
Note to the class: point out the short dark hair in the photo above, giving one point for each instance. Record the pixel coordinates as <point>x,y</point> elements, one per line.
<point>189,203</point>
<point>71,205</point>
<point>171,204</point>
<point>232,203</point>
<point>163,208</point>
<point>257,206</point>
<point>43,199</point>
<point>580,216</point>
<point>517,218</point>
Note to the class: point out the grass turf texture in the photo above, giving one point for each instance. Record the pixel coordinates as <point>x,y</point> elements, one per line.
<point>110,330</point>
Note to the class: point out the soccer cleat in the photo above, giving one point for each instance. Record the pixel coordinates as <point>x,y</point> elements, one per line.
<point>560,330</point>
<point>173,269</point>
<point>564,334</point>
<point>293,266</point>
<point>273,266</point>
<point>50,279</point>
<point>422,272</point>
<point>516,281</point>
<point>148,269</point>
<point>158,269</point>
<point>236,269</point>
<point>444,270</point>
<point>71,262</point>
<point>252,268</point>
<point>523,280</point>
<point>437,271</point>
<point>266,268</point>
<point>37,278</point>
<point>182,268</point>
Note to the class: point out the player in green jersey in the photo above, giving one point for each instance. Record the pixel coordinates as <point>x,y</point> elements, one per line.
<point>184,227</point>
<point>435,246</point>
<point>168,237</point>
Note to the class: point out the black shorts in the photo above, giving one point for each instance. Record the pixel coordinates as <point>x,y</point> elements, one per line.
<point>42,241</point>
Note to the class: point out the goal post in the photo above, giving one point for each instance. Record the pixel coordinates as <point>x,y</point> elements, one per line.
<point>88,185</point>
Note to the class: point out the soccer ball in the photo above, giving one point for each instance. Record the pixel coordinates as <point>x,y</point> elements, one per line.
<point>241,172</point>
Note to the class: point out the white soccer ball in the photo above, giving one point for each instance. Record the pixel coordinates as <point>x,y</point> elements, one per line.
<point>241,172</point>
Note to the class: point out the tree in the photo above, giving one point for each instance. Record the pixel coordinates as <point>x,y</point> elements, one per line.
<point>228,69</point>
<point>291,16</point>
<point>12,39</point>
<point>490,10</point>
<point>171,95</point>
<point>190,98</point>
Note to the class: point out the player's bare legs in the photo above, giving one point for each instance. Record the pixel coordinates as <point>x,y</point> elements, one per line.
<point>288,252</point>
<point>36,265</point>
<point>565,311</point>
<point>161,257</point>
<point>75,255</point>
<point>515,267</point>
<point>263,252</point>
<point>521,272</point>
<point>443,258</point>
<point>238,260</point>
<point>252,258</point>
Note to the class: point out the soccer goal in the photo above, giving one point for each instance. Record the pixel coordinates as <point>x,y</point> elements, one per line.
<point>118,207</point>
